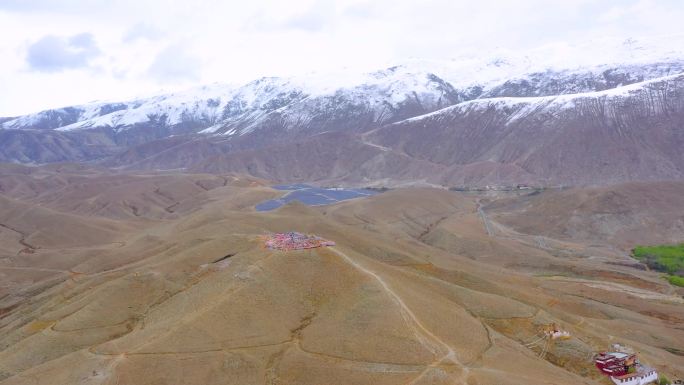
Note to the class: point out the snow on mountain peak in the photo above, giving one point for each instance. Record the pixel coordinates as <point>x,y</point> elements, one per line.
<point>494,66</point>
<point>486,74</point>
<point>216,102</point>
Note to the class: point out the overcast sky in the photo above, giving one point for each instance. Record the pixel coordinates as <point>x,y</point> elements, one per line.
<point>62,52</point>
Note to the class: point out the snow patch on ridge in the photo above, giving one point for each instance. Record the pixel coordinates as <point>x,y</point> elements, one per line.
<point>530,104</point>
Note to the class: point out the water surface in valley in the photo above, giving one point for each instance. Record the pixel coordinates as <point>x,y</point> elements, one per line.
<point>312,196</point>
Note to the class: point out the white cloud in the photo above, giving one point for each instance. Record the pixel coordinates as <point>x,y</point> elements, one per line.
<point>175,65</point>
<point>56,53</point>
<point>181,43</point>
<point>142,31</point>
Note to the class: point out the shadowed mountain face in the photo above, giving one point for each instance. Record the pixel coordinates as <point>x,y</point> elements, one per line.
<point>393,127</point>
<point>152,278</point>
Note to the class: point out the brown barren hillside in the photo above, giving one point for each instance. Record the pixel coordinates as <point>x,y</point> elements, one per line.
<point>423,286</point>
<point>623,215</point>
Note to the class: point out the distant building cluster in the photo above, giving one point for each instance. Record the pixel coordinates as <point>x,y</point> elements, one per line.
<point>295,241</point>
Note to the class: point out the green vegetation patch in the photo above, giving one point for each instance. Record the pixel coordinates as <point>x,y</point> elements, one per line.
<point>676,280</point>
<point>665,258</point>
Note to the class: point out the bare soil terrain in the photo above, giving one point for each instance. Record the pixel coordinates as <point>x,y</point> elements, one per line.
<point>163,278</point>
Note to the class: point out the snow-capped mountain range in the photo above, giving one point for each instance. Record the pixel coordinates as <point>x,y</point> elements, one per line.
<point>218,106</point>
<point>232,119</point>
<point>552,70</point>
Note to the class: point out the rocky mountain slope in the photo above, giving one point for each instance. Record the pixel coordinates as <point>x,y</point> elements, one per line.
<point>501,121</point>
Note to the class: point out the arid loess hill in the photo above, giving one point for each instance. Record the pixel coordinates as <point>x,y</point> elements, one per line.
<point>162,278</point>
<point>623,215</point>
